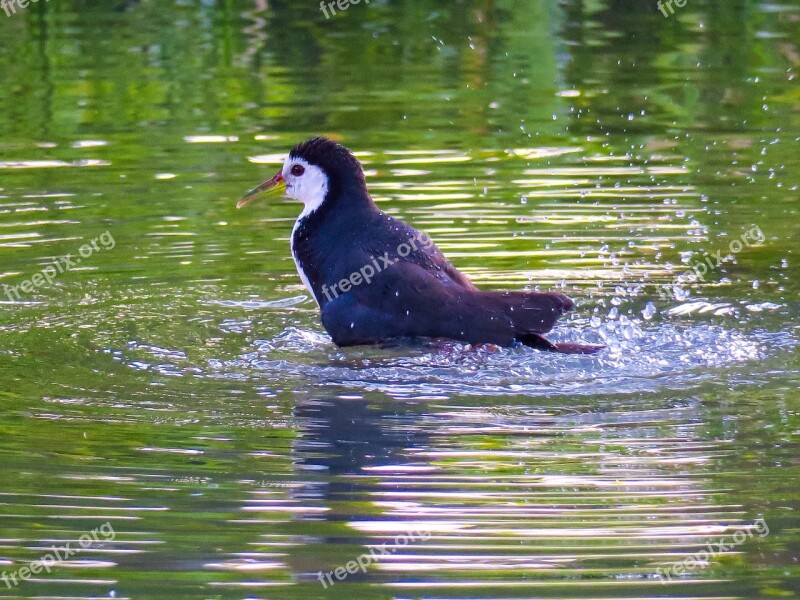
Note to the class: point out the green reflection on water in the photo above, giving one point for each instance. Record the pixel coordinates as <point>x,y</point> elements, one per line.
<point>180,386</point>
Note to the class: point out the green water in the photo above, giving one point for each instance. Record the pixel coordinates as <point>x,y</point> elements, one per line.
<point>175,385</point>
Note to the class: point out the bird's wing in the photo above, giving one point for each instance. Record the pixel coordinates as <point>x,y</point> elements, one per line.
<point>423,251</point>
<point>407,300</point>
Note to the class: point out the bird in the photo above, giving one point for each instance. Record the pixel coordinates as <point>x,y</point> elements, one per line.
<point>378,281</point>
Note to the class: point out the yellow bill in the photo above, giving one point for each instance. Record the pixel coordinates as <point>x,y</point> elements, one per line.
<point>271,188</point>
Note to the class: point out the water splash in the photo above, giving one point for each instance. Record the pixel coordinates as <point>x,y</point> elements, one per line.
<point>640,356</point>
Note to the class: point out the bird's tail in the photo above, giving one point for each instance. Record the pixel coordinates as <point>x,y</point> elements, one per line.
<point>534,340</point>
<point>533,314</point>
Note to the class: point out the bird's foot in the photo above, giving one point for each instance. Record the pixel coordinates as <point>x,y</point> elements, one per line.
<point>484,347</point>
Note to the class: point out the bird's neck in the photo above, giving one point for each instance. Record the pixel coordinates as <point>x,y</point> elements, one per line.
<point>343,208</point>
<point>319,236</point>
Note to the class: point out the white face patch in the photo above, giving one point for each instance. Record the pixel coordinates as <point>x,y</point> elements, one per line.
<point>310,186</point>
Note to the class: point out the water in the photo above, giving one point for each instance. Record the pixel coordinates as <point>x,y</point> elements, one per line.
<point>175,385</point>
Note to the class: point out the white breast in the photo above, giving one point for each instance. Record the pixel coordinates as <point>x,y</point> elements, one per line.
<point>311,188</point>
<point>297,263</point>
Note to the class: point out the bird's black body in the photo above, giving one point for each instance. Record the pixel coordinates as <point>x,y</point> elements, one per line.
<point>418,295</point>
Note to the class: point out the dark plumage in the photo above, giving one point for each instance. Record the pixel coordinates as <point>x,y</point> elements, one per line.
<point>418,295</point>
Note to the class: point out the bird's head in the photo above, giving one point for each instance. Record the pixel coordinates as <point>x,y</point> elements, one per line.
<point>314,172</point>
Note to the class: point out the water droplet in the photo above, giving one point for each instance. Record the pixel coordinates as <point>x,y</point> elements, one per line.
<point>649,310</point>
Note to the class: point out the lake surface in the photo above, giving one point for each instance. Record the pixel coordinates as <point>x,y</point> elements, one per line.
<point>167,385</point>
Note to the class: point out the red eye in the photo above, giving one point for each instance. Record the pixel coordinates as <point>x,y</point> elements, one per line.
<point>297,170</point>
